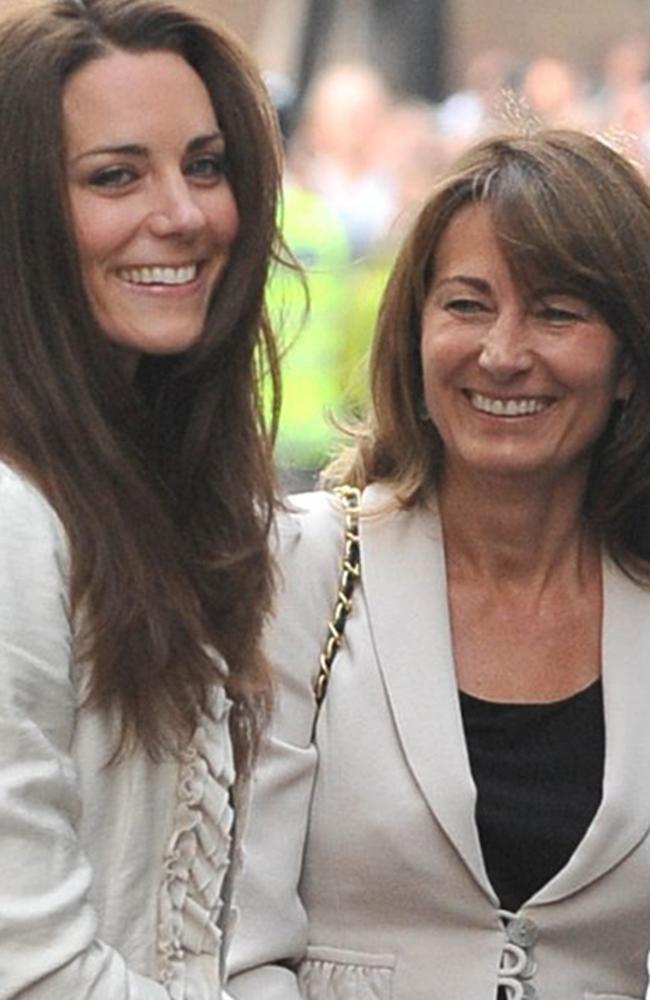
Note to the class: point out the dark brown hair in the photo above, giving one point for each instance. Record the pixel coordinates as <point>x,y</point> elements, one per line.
<point>164,484</point>
<point>568,209</point>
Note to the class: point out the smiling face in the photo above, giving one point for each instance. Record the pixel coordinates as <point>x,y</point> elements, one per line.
<point>153,214</point>
<point>515,382</point>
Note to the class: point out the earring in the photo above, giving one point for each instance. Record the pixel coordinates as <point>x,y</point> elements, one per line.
<point>423,413</point>
<point>621,416</point>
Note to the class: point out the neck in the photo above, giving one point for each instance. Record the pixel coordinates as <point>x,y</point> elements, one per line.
<point>515,529</point>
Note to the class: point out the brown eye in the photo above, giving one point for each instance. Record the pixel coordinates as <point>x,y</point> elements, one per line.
<point>561,309</point>
<point>555,314</point>
<point>113,177</point>
<point>207,167</point>
<point>464,306</point>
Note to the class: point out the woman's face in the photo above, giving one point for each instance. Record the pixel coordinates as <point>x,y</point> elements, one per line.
<point>515,383</point>
<point>153,213</point>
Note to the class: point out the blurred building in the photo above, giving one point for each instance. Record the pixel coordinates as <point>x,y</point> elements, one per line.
<point>579,31</point>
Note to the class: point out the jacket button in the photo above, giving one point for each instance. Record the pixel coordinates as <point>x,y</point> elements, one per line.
<point>522,931</point>
<point>529,969</point>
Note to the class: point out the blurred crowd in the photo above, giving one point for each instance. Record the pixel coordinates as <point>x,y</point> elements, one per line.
<point>359,162</point>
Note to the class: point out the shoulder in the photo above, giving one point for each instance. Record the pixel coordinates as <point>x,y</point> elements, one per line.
<point>34,559</point>
<point>312,526</point>
<point>311,521</point>
<point>24,511</point>
<point>35,626</point>
<point>308,541</point>
<point>309,537</point>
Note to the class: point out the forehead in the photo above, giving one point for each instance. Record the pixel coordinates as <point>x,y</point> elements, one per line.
<point>135,97</point>
<point>512,242</point>
<point>468,244</point>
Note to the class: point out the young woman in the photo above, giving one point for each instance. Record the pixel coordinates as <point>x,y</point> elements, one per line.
<point>472,817</point>
<point>138,182</point>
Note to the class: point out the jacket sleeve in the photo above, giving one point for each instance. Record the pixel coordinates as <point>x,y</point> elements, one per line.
<point>48,944</point>
<point>272,933</point>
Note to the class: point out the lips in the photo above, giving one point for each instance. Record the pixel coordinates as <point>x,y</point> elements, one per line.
<point>522,406</point>
<point>159,274</point>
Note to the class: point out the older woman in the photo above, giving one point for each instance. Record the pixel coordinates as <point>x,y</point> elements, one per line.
<point>138,184</point>
<point>471,818</point>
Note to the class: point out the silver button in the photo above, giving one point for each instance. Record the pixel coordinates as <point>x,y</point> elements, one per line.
<point>516,990</point>
<point>515,961</point>
<point>522,931</point>
<point>529,969</point>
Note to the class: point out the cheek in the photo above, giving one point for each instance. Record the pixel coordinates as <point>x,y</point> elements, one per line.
<point>598,371</point>
<point>441,354</point>
<point>436,365</point>
<point>99,230</point>
<point>224,216</point>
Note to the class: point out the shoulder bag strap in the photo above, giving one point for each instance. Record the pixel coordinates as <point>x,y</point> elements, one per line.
<point>350,497</point>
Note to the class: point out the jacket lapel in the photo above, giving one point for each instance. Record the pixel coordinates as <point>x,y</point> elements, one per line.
<point>623,818</point>
<point>404,582</point>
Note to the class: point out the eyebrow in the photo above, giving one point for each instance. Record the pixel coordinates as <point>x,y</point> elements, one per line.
<point>136,149</point>
<point>479,284</point>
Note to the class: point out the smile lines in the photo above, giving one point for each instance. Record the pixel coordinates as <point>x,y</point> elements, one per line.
<point>159,275</point>
<point>507,407</point>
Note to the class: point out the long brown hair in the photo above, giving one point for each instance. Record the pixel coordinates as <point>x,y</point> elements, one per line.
<point>570,209</point>
<point>164,484</point>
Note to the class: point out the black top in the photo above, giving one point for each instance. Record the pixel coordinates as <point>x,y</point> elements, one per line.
<point>538,769</point>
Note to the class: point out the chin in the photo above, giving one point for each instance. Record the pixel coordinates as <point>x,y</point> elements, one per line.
<point>160,344</point>
<point>513,465</point>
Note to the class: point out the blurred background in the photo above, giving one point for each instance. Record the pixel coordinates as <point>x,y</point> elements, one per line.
<point>375,98</point>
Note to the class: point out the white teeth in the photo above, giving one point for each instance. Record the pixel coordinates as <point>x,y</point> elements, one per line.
<point>507,407</point>
<point>159,275</point>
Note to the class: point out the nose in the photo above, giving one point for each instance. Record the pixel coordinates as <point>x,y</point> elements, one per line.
<point>505,348</point>
<point>175,209</point>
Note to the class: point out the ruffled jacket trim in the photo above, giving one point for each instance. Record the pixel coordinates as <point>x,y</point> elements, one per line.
<point>198,854</point>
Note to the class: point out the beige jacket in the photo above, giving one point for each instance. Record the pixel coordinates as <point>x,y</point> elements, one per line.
<point>363,873</point>
<point>111,879</point>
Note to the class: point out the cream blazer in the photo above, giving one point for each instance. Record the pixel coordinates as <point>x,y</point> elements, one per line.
<point>113,880</point>
<point>363,873</point>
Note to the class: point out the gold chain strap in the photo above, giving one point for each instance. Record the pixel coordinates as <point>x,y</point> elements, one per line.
<point>350,497</point>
